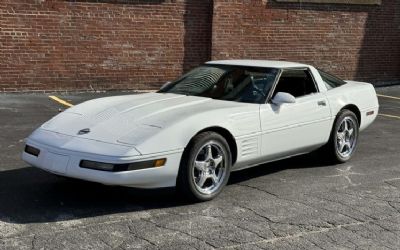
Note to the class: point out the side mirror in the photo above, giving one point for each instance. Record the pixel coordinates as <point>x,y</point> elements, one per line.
<point>165,85</point>
<point>283,97</point>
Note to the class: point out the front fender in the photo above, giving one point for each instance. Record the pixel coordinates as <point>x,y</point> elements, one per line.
<point>239,121</point>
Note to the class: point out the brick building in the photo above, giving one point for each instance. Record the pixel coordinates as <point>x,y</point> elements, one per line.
<point>139,44</point>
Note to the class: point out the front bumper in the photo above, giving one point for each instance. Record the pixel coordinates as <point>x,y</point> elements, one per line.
<point>66,163</point>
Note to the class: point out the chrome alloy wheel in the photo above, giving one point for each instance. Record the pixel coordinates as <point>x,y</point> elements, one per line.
<point>209,169</point>
<point>346,137</point>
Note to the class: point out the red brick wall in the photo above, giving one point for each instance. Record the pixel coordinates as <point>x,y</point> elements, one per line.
<point>139,44</point>
<point>354,41</point>
<point>104,44</point>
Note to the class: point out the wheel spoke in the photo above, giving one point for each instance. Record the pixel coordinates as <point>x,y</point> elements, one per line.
<point>340,135</point>
<point>209,152</point>
<point>350,131</point>
<point>346,127</point>
<point>348,144</point>
<point>217,160</point>
<point>342,144</point>
<point>214,179</point>
<point>200,165</point>
<point>202,180</point>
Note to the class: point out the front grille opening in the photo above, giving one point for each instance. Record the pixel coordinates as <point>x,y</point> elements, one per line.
<point>32,150</point>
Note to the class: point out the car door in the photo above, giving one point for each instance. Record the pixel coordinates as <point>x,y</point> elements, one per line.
<point>294,128</point>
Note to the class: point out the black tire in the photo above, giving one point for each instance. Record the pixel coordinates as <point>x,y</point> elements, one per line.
<point>332,148</point>
<point>186,181</point>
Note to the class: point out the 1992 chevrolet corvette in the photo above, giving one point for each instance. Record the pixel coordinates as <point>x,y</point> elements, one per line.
<point>220,117</point>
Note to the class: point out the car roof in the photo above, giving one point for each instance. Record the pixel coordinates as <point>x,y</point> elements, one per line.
<point>260,63</point>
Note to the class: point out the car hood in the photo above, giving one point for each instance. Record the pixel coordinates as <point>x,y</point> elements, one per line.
<point>128,119</point>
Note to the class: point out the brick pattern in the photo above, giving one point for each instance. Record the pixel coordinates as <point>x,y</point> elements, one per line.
<point>352,41</point>
<point>139,44</point>
<point>73,45</point>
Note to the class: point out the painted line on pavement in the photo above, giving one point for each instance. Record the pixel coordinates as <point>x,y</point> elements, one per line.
<point>61,101</point>
<point>388,96</point>
<point>390,116</point>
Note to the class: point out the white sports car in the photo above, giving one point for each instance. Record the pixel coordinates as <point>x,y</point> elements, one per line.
<point>220,117</point>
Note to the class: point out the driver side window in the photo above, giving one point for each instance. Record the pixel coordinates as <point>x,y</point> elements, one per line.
<point>297,82</point>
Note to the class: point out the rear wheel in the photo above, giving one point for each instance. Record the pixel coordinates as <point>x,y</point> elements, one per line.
<point>344,137</point>
<point>205,167</point>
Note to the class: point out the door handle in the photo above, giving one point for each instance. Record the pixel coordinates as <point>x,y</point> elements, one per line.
<point>321,103</point>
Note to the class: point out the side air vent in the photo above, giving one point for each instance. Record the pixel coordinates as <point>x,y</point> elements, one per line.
<point>249,147</point>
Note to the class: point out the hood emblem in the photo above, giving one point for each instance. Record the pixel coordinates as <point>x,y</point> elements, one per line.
<point>84,131</point>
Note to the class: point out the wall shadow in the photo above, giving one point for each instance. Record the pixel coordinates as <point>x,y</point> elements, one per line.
<point>378,59</point>
<point>30,195</point>
<point>319,6</point>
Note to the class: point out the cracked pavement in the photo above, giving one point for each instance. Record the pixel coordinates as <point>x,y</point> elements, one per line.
<point>301,202</point>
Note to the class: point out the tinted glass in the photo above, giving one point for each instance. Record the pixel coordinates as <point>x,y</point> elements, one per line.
<point>226,82</point>
<point>330,80</point>
<point>296,82</point>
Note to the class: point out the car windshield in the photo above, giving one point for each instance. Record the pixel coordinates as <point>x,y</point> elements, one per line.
<point>225,82</point>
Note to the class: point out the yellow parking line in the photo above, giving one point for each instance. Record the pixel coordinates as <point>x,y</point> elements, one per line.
<point>390,116</point>
<point>388,96</point>
<point>61,101</point>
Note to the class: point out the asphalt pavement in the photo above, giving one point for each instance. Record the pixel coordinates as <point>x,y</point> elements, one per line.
<point>296,203</point>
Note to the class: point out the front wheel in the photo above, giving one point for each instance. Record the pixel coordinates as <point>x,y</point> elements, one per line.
<point>344,137</point>
<point>205,167</point>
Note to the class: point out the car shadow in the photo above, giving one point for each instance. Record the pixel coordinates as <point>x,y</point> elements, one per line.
<point>30,195</point>
<point>311,160</point>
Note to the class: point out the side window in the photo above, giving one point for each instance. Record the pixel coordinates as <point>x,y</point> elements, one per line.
<point>330,80</point>
<point>296,82</point>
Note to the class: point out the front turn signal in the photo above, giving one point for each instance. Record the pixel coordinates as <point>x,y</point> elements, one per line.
<point>159,162</point>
